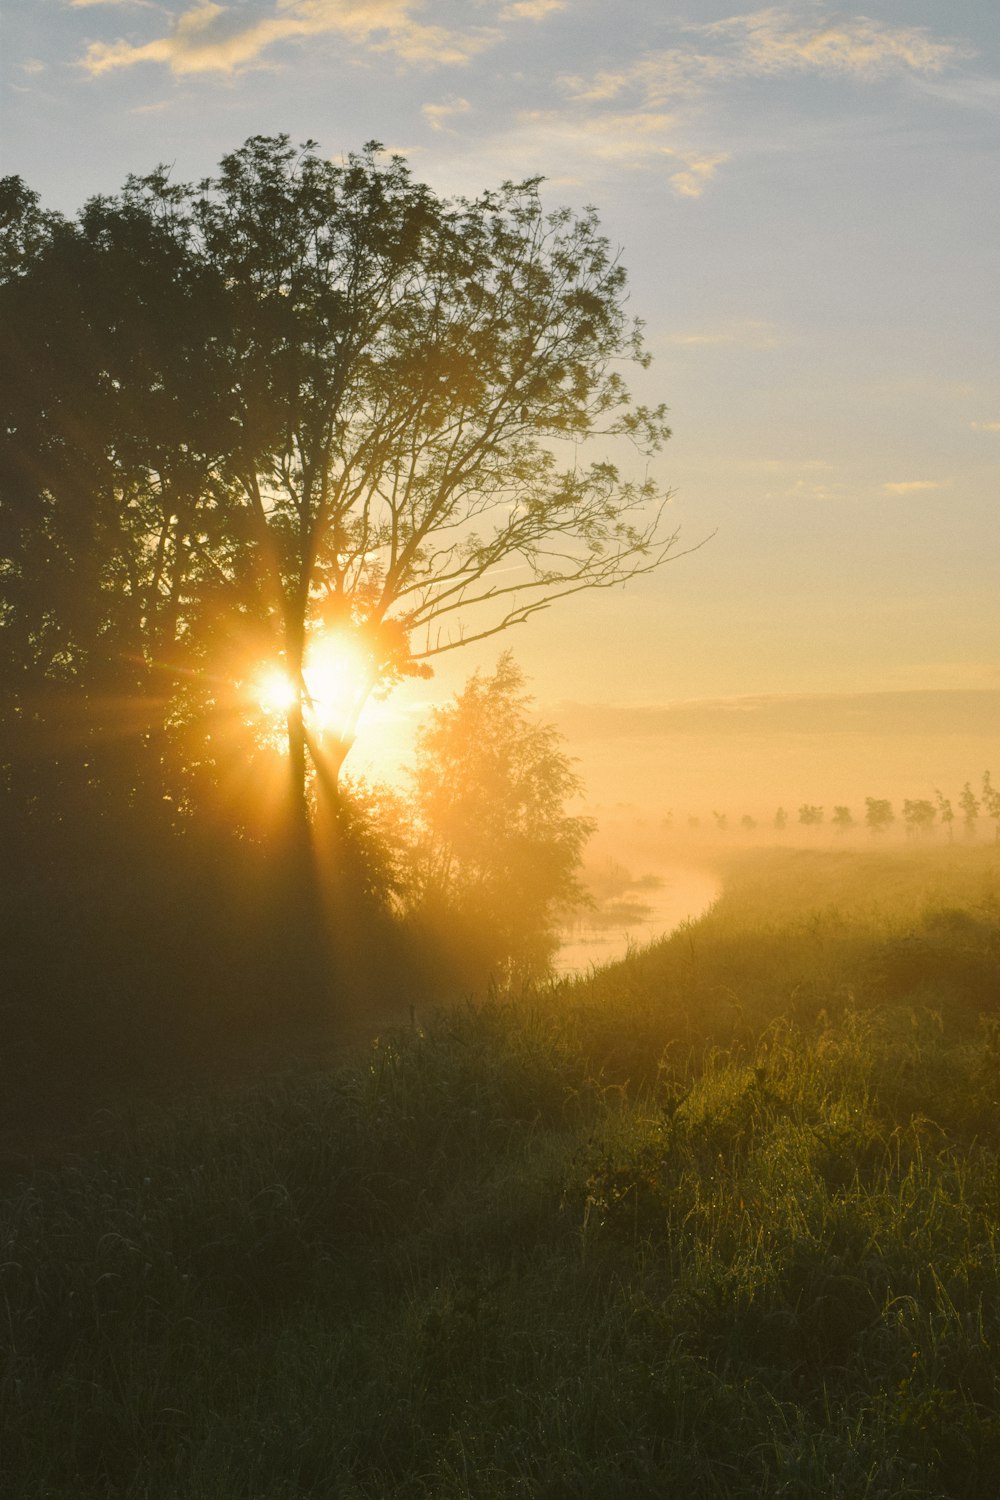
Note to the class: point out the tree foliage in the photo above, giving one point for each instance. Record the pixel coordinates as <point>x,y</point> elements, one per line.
<point>991,802</point>
<point>878,814</point>
<point>969,803</point>
<point>918,815</point>
<point>297,398</point>
<point>500,850</point>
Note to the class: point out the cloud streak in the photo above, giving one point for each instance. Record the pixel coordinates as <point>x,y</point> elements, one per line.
<point>438,116</point>
<point>767,44</point>
<point>911,486</point>
<point>215,38</point>
<point>531,10</point>
<point>764,45</point>
<point>746,334</point>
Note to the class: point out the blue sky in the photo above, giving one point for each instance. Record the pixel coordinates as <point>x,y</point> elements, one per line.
<point>806,197</point>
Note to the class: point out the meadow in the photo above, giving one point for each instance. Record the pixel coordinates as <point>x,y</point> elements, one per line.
<point>721,1220</point>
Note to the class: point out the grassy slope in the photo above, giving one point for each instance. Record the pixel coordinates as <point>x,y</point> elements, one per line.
<point>723,1219</point>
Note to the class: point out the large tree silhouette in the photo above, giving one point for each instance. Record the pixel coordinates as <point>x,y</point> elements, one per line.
<point>303,400</point>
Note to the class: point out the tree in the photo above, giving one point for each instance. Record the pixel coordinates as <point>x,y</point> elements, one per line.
<point>991,802</point>
<point>500,851</point>
<point>115,422</point>
<point>919,815</point>
<point>878,814</point>
<point>378,446</point>
<point>842,819</point>
<point>780,819</point>
<point>969,803</point>
<point>810,815</point>
<point>946,812</point>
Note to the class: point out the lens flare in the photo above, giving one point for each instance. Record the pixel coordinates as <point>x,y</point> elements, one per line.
<point>274,691</point>
<point>337,678</point>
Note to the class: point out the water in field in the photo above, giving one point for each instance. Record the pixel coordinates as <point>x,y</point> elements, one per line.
<point>632,912</point>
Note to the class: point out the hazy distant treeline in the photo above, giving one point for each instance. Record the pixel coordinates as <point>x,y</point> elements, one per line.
<point>978,812</point>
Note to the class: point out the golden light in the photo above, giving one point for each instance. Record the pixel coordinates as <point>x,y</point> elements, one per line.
<point>274,691</point>
<point>337,679</point>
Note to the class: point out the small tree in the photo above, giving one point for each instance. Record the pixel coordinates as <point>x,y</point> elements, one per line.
<point>810,815</point>
<point>780,819</point>
<point>946,812</point>
<point>991,802</point>
<point>721,821</point>
<point>747,823</point>
<point>842,819</point>
<point>500,853</point>
<point>878,814</point>
<point>969,803</point>
<point>919,815</point>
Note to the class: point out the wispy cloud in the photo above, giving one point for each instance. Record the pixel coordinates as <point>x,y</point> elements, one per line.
<point>775,41</point>
<point>531,10</point>
<point>747,334</point>
<point>910,486</point>
<point>626,140</point>
<point>698,173</point>
<point>767,43</point>
<point>439,115</point>
<point>985,426</point>
<point>209,37</point>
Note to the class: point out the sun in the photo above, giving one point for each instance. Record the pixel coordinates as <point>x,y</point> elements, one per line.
<point>337,678</point>
<point>274,691</point>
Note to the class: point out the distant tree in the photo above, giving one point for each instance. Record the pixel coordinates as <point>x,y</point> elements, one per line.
<point>694,822</point>
<point>991,802</point>
<point>809,814</point>
<point>500,851</point>
<point>842,819</point>
<point>919,815</point>
<point>748,823</point>
<point>969,803</point>
<point>721,821</point>
<point>878,814</point>
<point>780,819</point>
<point>946,812</point>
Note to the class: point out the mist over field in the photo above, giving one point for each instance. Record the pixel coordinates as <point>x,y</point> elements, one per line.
<point>752,755</point>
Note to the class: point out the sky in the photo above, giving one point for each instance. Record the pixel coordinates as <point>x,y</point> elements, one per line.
<point>806,199</point>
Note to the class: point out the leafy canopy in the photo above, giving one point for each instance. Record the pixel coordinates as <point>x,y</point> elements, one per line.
<point>500,848</point>
<point>306,398</point>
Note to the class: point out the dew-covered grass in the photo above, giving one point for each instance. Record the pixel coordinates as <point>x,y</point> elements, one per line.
<point>719,1221</point>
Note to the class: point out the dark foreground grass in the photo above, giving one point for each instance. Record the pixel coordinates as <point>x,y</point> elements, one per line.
<point>722,1221</point>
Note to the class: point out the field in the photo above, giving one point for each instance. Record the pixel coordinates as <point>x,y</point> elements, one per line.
<point>720,1221</point>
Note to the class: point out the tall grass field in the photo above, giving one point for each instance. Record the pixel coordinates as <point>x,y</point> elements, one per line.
<point>722,1220</point>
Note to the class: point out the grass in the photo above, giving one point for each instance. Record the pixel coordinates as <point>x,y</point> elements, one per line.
<point>721,1220</point>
